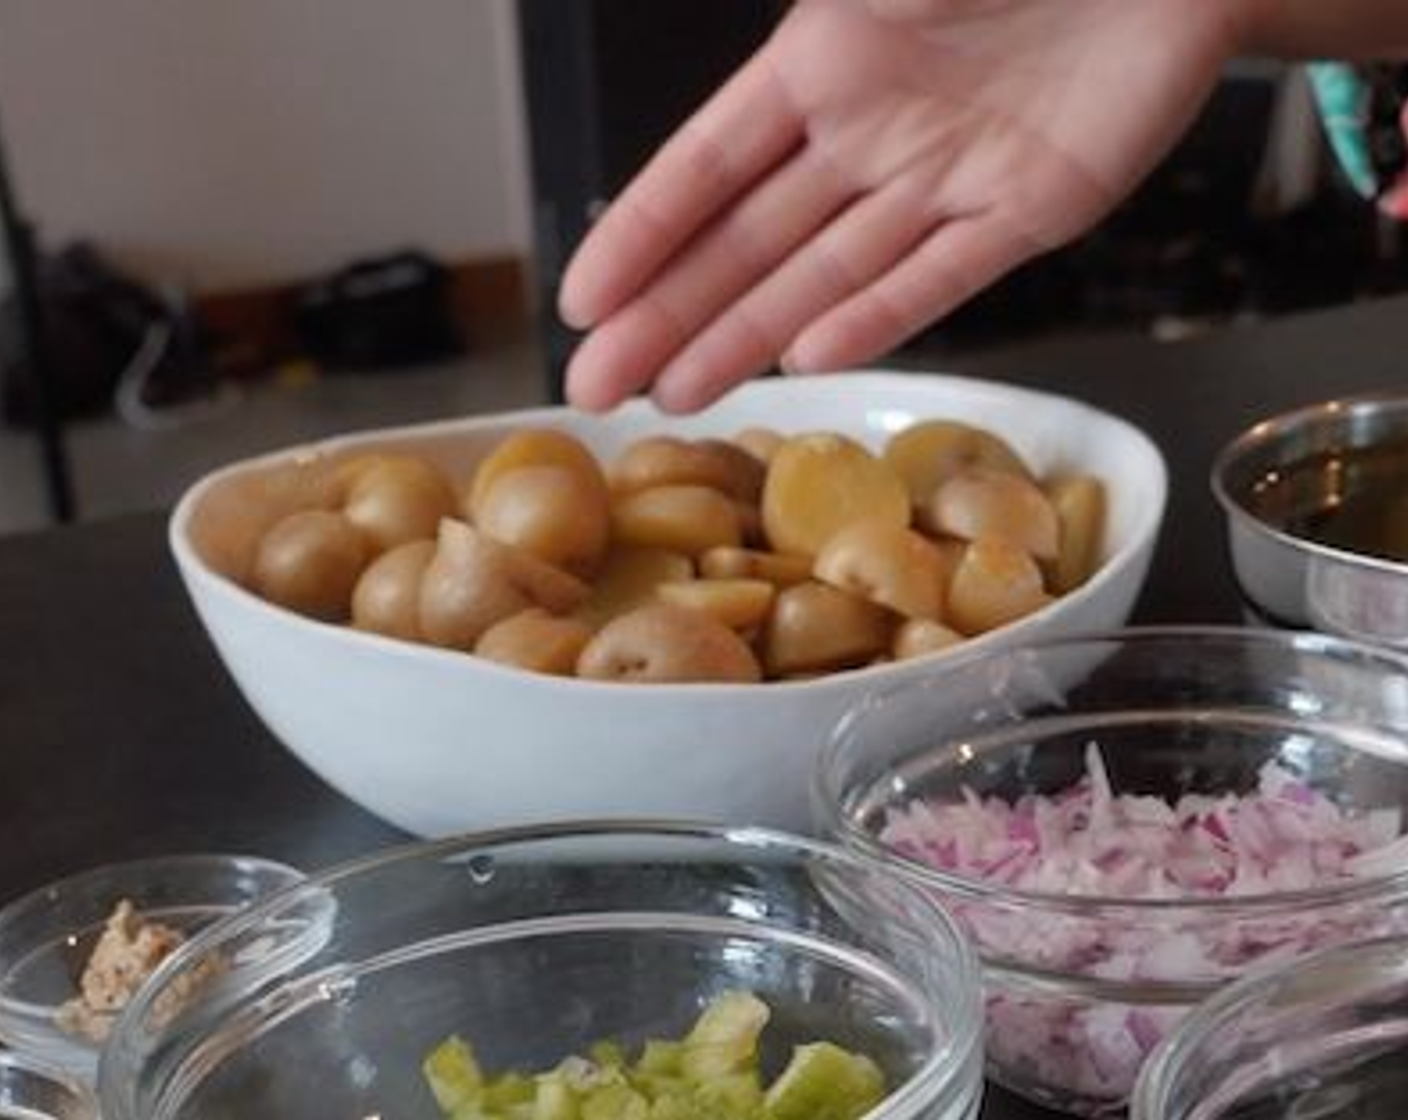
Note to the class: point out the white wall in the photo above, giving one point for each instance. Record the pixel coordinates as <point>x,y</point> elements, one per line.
<point>226,143</point>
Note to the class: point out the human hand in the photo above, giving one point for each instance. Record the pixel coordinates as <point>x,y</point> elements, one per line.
<point>874,165</point>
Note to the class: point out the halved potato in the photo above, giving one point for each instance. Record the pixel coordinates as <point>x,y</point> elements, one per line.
<point>821,482</point>
<point>817,628</point>
<point>929,453</point>
<point>887,564</point>
<point>995,583</point>
<point>664,643</point>
<point>981,503</point>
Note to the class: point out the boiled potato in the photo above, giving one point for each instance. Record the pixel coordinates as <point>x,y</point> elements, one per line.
<point>817,628</point>
<point>474,581</point>
<point>537,641</point>
<point>995,583</point>
<point>1079,501</point>
<point>761,443</point>
<point>554,512</point>
<point>309,562</point>
<point>739,604</point>
<point>387,597</point>
<point>918,636</point>
<point>629,579</point>
<point>687,519</point>
<point>533,447</point>
<point>669,461</point>
<point>886,564</point>
<point>664,643</point>
<point>399,499</point>
<point>981,503</point>
<point>928,454</point>
<point>821,482</point>
<point>778,568</point>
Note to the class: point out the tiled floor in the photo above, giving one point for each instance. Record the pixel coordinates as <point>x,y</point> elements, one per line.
<point>118,468</point>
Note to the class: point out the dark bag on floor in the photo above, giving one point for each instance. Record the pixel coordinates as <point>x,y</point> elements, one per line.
<point>95,321</point>
<point>381,313</point>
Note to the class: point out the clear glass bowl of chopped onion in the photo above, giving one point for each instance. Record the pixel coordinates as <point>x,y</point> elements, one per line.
<point>1125,823</point>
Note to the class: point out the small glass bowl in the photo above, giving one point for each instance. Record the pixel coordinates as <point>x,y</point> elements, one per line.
<point>47,936</point>
<point>1081,988</point>
<point>34,1090</point>
<point>534,943</point>
<point>1324,1039</point>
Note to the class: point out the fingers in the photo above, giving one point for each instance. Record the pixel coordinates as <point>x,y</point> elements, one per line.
<point>627,351</point>
<point>743,132</point>
<point>953,264</point>
<point>859,246</point>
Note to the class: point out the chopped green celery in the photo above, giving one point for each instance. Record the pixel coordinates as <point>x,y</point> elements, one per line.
<point>555,1100</point>
<point>711,1074</point>
<point>725,1038</point>
<point>454,1076</point>
<point>607,1053</point>
<point>507,1090</point>
<point>660,1056</point>
<point>824,1082</point>
<point>733,1094</point>
<point>615,1101</point>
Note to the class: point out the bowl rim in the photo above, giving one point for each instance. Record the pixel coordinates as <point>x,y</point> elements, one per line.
<point>1143,534</point>
<point>112,876</point>
<point>1229,1004</point>
<point>963,1016</point>
<point>836,824</point>
<point>34,1065</point>
<point>1268,431</point>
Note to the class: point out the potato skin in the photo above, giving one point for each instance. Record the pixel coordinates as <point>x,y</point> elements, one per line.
<point>550,511</point>
<point>927,454</point>
<point>387,598</point>
<point>661,643</point>
<point>536,641</point>
<point>818,628</point>
<point>994,583</point>
<point>681,518</point>
<point>398,499</point>
<point>820,482</point>
<point>886,564</point>
<point>670,461</point>
<point>309,562</point>
<point>531,447</point>
<point>473,581</point>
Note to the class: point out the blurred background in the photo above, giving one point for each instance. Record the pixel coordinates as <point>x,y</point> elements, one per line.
<point>254,224</point>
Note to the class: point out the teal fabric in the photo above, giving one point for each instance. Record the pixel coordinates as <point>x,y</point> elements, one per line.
<point>1343,98</point>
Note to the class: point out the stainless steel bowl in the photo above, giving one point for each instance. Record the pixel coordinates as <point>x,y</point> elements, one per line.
<point>1277,479</point>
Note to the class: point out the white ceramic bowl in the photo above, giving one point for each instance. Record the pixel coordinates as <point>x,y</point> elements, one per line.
<point>439,742</point>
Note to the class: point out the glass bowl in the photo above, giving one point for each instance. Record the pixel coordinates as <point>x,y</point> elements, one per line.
<point>47,936</point>
<point>1081,987</point>
<point>31,1089</point>
<point>532,944</point>
<point>1324,1040</point>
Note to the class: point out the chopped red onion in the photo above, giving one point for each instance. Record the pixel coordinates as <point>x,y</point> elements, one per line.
<point>1086,840</point>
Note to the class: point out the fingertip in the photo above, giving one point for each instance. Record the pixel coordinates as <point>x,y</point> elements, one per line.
<point>575,305</point>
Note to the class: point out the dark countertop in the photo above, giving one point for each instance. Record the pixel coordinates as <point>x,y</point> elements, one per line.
<point>122,736</point>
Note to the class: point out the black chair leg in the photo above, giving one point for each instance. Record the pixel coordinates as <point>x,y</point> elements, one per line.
<point>24,276</point>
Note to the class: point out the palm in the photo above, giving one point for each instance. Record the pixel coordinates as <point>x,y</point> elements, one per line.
<point>863,175</point>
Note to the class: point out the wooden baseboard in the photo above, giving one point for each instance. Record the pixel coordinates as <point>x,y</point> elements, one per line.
<point>489,300</point>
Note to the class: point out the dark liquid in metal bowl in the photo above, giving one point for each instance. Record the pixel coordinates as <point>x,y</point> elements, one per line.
<point>1354,499</point>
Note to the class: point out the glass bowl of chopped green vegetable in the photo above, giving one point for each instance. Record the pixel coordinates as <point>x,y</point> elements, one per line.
<point>578,971</point>
<point>1125,823</point>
